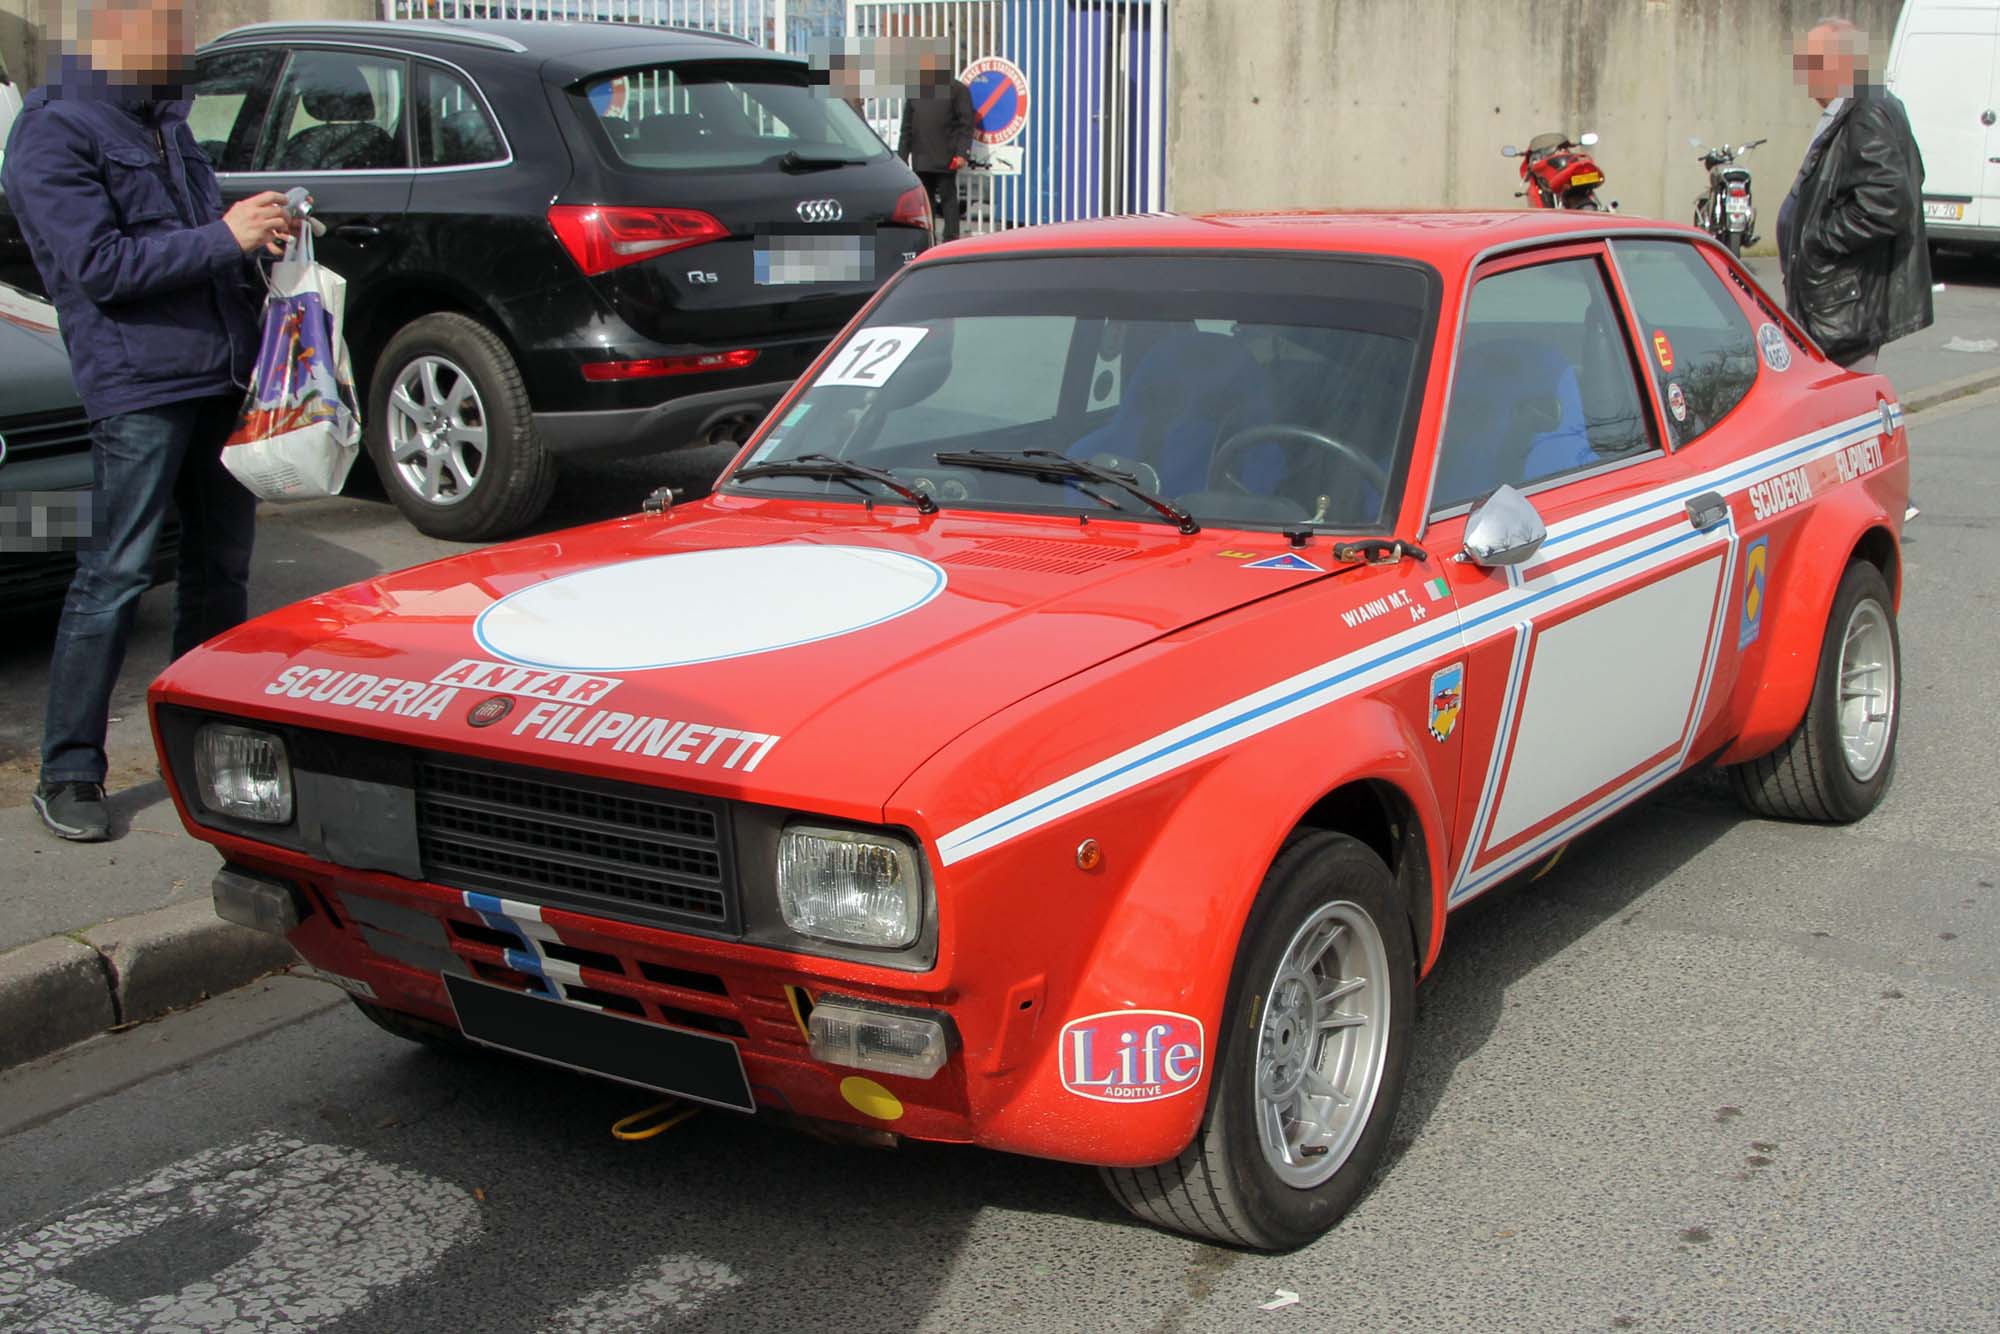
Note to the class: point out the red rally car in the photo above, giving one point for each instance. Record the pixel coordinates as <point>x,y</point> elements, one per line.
<point>1069,724</point>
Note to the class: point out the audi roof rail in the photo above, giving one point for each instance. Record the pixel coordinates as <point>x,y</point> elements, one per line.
<point>433,29</point>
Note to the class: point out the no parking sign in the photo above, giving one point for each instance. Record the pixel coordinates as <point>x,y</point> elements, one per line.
<point>999,99</point>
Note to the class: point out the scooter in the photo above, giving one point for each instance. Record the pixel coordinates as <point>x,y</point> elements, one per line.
<point>1557,174</point>
<point>1725,211</point>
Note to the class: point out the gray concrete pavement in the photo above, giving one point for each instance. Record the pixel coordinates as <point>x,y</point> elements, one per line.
<point>1708,1073</point>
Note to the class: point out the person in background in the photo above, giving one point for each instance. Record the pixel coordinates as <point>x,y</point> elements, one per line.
<point>936,136</point>
<point>157,292</point>
<point>1851,238</point>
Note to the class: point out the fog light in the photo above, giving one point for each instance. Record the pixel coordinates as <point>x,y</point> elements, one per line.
<point>243,773</point>
<point>897,1044</point>
<point>258,902</point>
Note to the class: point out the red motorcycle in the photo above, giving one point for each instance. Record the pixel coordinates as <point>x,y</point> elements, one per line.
<point>1558,173</point>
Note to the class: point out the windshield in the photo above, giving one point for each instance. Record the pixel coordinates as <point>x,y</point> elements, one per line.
<point>1249,391</point>
<point>718,117</point>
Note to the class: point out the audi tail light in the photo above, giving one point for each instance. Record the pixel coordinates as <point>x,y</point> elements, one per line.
<point>601,238</point>
<point>648,367</point>
<point>913,209</point>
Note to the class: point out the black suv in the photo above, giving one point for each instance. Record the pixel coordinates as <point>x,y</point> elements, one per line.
<point>559,237</point>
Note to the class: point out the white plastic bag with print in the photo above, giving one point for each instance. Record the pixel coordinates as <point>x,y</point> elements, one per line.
<point>300,428</point>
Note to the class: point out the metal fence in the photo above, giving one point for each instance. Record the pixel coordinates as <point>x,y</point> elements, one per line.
<point>782,25</point>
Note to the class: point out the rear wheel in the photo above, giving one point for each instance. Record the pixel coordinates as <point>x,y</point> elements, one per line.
<point>452,434</point>
<point>1315,1041</point>
<point>1838,763</point>
<point>1734,240</point>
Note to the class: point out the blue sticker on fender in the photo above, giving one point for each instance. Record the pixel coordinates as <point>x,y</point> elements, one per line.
<point>1756,557</point>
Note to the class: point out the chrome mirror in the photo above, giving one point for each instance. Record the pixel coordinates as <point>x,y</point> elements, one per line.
<point>1503,529</point>
<point>1696,142</point>
<point>1510,151</point>
<point>1589,138</point>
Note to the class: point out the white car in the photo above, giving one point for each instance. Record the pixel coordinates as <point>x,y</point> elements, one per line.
<point>1945,66</point>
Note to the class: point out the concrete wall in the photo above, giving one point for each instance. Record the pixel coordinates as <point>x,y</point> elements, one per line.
<point>1351,103</point>
<point>21,24</point>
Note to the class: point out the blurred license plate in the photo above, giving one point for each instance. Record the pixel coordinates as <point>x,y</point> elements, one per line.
<point>782,261</point>
<point>1939,211</point>
<point>1587,178</point>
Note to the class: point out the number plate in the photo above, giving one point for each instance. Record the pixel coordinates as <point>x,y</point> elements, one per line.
<point>673,1060</point>
<point>832,258</point>
<point>1587,178</point>
<point>1938,211</point>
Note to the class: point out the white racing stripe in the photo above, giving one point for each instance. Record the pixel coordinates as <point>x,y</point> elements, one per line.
<point>1339,678</point>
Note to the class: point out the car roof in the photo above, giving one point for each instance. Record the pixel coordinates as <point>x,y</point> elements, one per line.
<point>1449,240</point>
<point>566,50</point>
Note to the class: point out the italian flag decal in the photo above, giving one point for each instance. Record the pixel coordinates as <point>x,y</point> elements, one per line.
<point>1437,588</point>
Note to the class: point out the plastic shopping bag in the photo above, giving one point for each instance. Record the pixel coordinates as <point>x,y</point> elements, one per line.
<point>300,428</point>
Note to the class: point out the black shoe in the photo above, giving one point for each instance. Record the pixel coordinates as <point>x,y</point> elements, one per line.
<point>75,811</point>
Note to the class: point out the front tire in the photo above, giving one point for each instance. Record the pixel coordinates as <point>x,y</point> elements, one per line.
<point>1314,1047</point>
<point>451,432</point>
<point>1836,766</point>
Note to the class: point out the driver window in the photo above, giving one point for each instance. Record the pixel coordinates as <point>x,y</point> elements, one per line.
<point>1543,387</point>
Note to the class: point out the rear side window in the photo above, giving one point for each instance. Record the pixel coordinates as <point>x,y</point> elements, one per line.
<point>709,117</point>
<point>231,90</point>
<point>1543,385</point>
<point>453,129</point>
<point>1699,347</point>
<point>339,112</point>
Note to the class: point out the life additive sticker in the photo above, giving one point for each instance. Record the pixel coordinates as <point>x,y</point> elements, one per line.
<point>1131,1055</point>
<point>872,356</point>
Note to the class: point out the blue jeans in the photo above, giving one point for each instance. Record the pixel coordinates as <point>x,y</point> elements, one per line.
<point>142,460</point>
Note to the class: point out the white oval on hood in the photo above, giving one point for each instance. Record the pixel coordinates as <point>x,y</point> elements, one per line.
<point>704,606</point>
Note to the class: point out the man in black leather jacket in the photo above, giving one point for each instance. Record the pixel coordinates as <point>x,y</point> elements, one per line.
<point>1851,233</point>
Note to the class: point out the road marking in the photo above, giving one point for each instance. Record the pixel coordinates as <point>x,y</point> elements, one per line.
<point>326,1229</point>
<point>673,1285</point>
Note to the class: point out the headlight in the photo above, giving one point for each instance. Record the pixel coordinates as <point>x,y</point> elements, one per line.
<point>243,774</point>
<point>849,887</point>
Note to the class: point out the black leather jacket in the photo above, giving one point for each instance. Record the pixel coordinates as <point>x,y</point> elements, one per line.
<point>1857,266</point>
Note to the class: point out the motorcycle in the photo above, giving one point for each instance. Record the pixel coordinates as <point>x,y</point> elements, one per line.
<point>1557,174</point>
<point>1725,211</point>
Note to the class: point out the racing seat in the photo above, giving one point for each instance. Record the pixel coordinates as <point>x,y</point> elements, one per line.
<point>1190,392</point>
<point>347,139</point>
<point>1516,417</point>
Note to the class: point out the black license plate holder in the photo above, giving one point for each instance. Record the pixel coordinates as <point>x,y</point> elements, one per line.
<point>697,1066</point>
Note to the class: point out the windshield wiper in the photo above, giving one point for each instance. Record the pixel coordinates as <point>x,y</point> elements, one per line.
<point>826,465</point>
<point>1048,463</point>
<point>794,161</point>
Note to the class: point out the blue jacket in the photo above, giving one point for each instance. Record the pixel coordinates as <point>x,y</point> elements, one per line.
<point>121,211</point>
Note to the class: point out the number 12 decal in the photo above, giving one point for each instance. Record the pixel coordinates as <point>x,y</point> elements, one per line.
<point>872,356</point>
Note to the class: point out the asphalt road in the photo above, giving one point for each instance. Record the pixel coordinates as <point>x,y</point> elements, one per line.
<point>1708,1073</point>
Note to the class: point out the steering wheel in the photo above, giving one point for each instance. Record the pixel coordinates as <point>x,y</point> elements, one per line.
<point>1220,467</point>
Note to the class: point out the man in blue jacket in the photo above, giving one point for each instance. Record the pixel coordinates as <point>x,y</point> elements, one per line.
<point>156,288</point>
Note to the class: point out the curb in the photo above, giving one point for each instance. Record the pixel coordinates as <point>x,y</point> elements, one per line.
<point>64,989</point>
<point>1964,386</point>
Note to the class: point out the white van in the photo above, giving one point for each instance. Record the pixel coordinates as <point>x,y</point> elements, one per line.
<point>1945,66</point>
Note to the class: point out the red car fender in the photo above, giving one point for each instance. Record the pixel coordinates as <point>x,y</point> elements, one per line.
<point>1831,533</point>
<point>1169,936</point>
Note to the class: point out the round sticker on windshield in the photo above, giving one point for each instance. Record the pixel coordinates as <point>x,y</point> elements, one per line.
<point>871,356</point>
<point>1677,402</point>
<point>1777,352</point>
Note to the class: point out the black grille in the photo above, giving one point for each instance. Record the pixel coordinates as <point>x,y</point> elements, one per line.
<point>36,434</point>
<point>553,838</point>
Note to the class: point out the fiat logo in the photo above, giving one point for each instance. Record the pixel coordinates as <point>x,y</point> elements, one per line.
<point>489,711</point>
<point>820,210</point>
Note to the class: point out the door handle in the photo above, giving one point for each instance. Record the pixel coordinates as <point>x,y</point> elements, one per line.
<point>357,231</point>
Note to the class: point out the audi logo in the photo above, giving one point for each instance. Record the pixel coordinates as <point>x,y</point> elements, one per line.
<point>820,210</point>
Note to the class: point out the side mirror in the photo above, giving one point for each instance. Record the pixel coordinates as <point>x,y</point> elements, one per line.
<point>1510,151</point>
<point>1503,529</point>
<point>1589,138</point>
<point>1696,143</point>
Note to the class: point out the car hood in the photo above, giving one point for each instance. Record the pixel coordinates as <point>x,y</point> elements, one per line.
<point>802,655</point>
<point>37,368</point>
